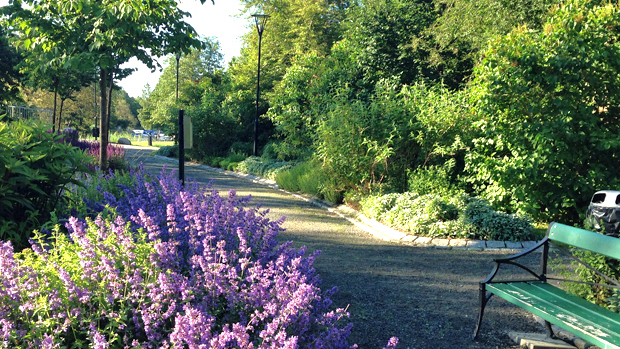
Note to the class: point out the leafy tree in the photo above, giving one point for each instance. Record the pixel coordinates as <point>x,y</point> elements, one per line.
<point>381,33</point>
<point>9,74</point>
<point>79,111</point>
<point>69,84</point>
<point>84,35</point>
<point>160,106</point>
<point>122,114</point>
<point>548,109</point>
<point>471,24</point>
<point>304,95</point>
<point>464,28</point>
<point>215,130</point>
<point>295,28</point>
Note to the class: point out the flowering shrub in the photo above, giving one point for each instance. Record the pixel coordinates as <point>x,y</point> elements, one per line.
<point>167,267</point>
<point>116,154</point>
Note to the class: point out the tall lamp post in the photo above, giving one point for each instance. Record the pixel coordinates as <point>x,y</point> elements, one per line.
<point>181,129</point>
<point>260,20</point>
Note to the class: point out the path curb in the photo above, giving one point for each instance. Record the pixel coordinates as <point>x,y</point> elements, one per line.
<point>378,229</point>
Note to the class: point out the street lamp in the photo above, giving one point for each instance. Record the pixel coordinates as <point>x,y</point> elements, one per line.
<point>178,56</point>
<point>260,20</point>
<point>181,128</point>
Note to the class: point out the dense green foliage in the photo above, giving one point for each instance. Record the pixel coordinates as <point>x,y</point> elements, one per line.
<point>401,98</point>
<point>35,168</point>
<point>512,102</point>
<point>267,169</point>
<point>9,73</point>
<point>85,36</point>
<point>446,216</point>
<point>548,104</point>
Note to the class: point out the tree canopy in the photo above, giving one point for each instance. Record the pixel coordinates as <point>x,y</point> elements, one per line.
<point>85,35</point>
<point>549,106</point>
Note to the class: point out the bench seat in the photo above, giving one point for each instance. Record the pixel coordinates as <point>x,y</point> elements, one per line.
<point>585,320</point>
<point>576,315</point>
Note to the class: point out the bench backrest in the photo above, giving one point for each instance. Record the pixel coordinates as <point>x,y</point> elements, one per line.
<point>587,240</point>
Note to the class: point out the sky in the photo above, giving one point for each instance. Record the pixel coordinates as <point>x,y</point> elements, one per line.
<point>217,20</point>
<point>208,20</point>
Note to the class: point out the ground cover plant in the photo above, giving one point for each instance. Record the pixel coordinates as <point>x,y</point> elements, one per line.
<point>447,216</point>
<point>147,263</point>
<point>266,168</point>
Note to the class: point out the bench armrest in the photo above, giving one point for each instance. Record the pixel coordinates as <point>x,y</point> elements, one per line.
<point>511,260</point>
<point>524,253</point>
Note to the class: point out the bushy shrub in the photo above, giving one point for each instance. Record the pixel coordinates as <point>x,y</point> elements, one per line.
<point>36,166</point>
<point>448,216</point>
<point>171,151</point>
<point>116,155</point>
<point>232,158</point>
<point>309,178</point>
<point>289,180</point>
<point>432,179</point>
<point>215,161</point>
<point>304,176</point>
<point>269,152</point>
<point>267,169</point>
<point>377,206</point>
<point>242,148</point>
<point>232,166</point>
<point>169,266</point>
<point>495,225</point>
<point>548,109</point>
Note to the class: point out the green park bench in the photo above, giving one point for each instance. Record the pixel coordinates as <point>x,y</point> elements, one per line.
<point>578,316</point>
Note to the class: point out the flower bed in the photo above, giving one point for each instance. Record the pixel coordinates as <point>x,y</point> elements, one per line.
<point>161,266</point>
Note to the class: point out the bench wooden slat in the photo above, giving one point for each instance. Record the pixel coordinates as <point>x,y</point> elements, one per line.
<point>578,316</point>
<point>603,244</point>
<point>601,316</point>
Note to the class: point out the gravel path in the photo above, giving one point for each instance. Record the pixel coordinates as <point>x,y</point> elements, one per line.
<point>426,297</point>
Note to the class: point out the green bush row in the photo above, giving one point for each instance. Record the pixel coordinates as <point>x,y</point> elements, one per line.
<point>311,178</point>
<point>263,168</point>
<point>447,216</point>
<point>228,163</point>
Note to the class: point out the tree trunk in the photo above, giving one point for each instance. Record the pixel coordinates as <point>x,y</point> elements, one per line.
<point>62,103</point>
<point>110,97</point>
<point>104,122</point>
<point>56,83</point>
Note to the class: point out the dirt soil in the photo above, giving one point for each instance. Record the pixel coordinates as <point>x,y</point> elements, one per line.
<point>426,297</point>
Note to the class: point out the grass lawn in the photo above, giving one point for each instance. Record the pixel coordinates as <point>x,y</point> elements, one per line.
<point>114,136</point>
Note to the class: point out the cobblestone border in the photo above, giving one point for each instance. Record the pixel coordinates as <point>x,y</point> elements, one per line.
<point>377,229</point>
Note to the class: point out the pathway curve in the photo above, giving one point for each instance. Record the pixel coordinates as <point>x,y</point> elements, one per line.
<point>426,297</point>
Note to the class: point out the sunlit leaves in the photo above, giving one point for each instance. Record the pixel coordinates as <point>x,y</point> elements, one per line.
<point>550,96</point>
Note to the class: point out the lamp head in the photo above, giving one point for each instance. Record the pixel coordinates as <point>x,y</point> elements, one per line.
<point>260,20</point>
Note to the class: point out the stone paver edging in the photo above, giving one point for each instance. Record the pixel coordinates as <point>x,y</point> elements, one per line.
<point>377,229</point>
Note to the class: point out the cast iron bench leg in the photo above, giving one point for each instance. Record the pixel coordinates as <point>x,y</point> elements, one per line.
<point>484,298</point>
<point>549,330</point>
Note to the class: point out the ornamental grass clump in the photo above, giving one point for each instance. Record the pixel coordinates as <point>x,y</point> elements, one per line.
<point>157,265</point>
